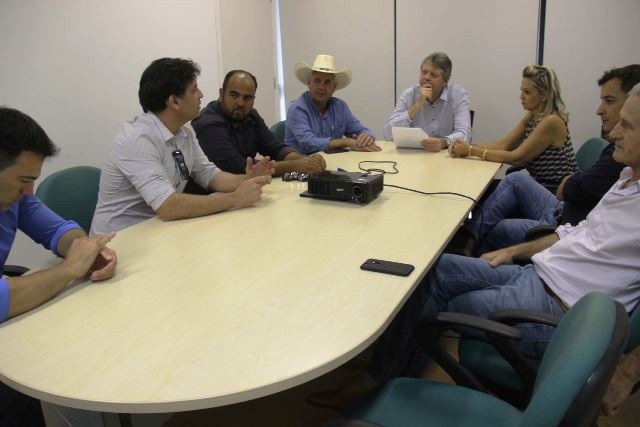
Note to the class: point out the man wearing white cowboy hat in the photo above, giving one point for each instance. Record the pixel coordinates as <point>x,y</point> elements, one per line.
<point>317,121</point>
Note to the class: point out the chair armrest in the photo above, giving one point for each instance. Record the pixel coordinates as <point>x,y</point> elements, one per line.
<point>429,328</point>
<point>446,319</point>
<point>506,346</point>
<point>513,317</point>
<point>14,270</point>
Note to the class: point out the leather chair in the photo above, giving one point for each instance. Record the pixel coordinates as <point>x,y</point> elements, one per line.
<point>278,130</point>
<point>569,384</point>
<point>72,193</point>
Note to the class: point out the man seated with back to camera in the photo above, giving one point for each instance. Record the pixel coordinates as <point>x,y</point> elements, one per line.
<point>520,203</point>
<point>230,130</point>
<point>601,253</point>
<point>157,152</point>
<point>435,104</point>
<point>317,121</point>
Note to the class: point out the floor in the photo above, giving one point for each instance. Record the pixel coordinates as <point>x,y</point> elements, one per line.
<point>289,409</point>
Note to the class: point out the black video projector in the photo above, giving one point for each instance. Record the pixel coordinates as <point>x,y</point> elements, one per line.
<point>355,187</point>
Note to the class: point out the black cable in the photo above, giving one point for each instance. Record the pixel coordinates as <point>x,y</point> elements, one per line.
<point>436,193</point>
<point>382,171</point>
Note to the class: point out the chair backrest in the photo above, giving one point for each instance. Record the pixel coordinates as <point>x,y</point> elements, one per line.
<point>578,363</point>
<point>278,130</point>
<point>72,193</point>
<point>589,152</point>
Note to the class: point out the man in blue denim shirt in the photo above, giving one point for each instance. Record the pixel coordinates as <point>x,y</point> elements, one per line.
<point>317,121</point>
<point>23,148</point>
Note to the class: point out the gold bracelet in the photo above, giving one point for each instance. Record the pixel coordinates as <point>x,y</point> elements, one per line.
<point>484,154</point>
<point>470,147</point>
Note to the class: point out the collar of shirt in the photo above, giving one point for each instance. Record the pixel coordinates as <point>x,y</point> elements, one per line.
<point>312,106</point>
<point>632,188</point>
<point>164,131</point>
<point>444,95</point>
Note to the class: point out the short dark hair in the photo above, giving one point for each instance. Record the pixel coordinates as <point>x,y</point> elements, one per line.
<point>234,72</point>
<point>165,77</point>
<point>629,76</point>
<point>18,133</point>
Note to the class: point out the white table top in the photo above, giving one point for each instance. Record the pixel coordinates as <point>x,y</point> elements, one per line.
<point>225,308</point>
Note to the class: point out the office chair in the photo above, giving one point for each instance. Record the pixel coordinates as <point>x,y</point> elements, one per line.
<point>589,152</point>
<point>586,156</point>
<point>482,366</point>
<point>72,193</point>
<point>569,385</point>
<point>278,130</point>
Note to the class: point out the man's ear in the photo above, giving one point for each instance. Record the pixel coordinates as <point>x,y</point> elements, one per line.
<point>172,102</point>
<point>220,94</point>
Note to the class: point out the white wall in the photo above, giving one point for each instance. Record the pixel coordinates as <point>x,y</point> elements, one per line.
<point>74,66</point>
<point>359,33</point>
<point>489,43</point>
<point>583,39</point>
<point>247,42</point>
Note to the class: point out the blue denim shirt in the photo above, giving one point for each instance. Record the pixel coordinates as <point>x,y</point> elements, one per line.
<point>308,131</point>
<point>37,221</point>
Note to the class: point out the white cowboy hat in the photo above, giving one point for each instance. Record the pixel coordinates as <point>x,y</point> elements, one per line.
<point>323,64</point>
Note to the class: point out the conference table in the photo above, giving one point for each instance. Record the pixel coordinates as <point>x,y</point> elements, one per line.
<point>230,307</point>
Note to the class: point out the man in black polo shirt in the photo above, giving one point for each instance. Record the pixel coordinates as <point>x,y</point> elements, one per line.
<point>230,130</point>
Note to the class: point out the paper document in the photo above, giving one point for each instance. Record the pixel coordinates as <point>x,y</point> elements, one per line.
<point>408,137</point>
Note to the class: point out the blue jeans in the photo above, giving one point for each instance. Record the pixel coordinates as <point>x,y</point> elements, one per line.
<point>516,205</point>
<point>470,285</point>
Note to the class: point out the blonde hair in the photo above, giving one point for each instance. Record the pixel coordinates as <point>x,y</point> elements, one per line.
<point>546,81</point>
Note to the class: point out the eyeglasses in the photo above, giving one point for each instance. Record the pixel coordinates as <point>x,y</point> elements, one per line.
<point>182,166</point>
<point>295,176</point>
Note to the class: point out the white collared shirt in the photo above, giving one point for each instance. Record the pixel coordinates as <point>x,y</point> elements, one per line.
<point>141,173</point>
<point>601,253</point>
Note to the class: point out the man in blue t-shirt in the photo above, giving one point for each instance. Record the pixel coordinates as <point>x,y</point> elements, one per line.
<point>23,147</point>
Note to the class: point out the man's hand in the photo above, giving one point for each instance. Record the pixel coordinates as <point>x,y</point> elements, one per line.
<point>432,144</point>
<point>426,92</point>
<point>264,167</point>
<point>499,257</point>
<point>85,252</point>
<point>104,266</point>
<point>249,192</point>
<point>364,142</point>
<point>314,163</point>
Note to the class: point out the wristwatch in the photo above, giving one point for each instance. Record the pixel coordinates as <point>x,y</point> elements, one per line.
<point>447,142</point>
